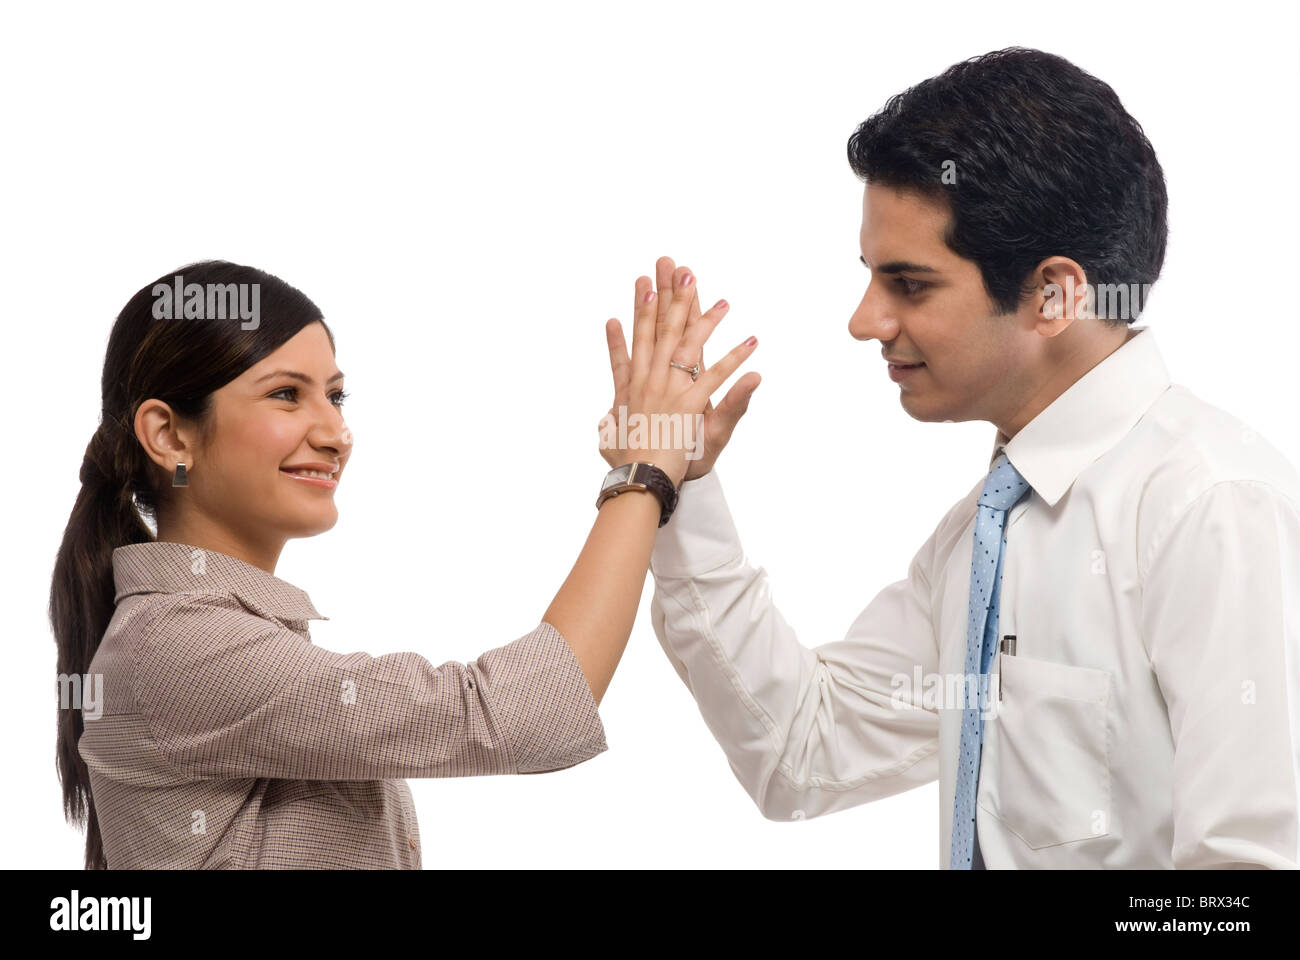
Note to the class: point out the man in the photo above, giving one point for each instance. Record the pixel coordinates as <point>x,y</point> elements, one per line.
<point>1137,548</point>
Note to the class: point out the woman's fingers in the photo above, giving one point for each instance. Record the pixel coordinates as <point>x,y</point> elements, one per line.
<point>717,374</point>
<point>683,354</point>
<point>670,330</point>
<point>619,364</point>
<point>643,329</point>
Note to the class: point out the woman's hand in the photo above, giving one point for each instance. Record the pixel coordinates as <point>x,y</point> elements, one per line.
<point>658,410</point>
<point>669,326</point>
<point>596,606</point>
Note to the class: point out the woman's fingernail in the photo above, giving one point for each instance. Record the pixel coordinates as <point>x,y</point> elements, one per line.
<point>686,280</point>
<point>751,341</point>
<point>650,295</point>
<point>720,305</point>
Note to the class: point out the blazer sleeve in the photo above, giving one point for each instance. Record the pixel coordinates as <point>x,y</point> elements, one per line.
<point>229,694</point>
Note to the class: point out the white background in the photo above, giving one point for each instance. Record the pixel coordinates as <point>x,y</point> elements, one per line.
<point>469,192</point>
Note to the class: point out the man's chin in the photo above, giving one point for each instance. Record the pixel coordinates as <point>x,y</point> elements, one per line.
<point>916,408</point>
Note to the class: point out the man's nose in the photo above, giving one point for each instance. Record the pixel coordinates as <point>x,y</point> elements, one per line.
<point>872,320</point>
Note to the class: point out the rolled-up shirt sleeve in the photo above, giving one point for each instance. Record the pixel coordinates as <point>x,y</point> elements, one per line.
<point>228,694</point>
<point>1221,611</point>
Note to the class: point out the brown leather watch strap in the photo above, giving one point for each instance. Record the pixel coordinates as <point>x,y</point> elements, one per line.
<point>648,476</point>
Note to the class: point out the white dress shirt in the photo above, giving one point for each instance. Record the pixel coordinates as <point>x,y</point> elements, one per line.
<point>1150,714</point>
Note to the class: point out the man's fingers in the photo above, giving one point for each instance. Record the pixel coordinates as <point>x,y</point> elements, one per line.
<point>731,409</point>
<point>619,363</point>
<point>643,329</point>
<point>736,402</point>
<point>664,270</point>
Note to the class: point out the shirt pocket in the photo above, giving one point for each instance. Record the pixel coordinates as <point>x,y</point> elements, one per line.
<point>1045,771</point>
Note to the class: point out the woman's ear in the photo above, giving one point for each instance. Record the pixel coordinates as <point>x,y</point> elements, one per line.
<point>165,439</point>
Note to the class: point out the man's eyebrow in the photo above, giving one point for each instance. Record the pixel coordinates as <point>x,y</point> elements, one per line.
<point>899,266</point>
<point>295,375</point>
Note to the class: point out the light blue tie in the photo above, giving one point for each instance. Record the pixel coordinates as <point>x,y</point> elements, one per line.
<point>1003,489</point>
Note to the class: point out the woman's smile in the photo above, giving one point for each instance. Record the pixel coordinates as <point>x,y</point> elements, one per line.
<point>316,475</point>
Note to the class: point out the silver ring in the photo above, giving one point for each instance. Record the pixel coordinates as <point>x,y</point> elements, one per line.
<point>694,371</point>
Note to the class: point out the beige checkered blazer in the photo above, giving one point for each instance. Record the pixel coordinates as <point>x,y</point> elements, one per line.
<point>226,739</point>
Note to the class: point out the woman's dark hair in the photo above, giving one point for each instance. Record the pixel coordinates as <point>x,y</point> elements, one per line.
<point>181,362</point>
<point>1044,161</point>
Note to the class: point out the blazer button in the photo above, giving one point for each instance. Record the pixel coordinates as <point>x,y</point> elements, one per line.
<point>411,842</point>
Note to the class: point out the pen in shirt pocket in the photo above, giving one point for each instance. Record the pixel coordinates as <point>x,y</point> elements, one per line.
<point>1008,649</point>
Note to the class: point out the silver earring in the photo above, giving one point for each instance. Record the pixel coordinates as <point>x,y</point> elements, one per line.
<point>179,479</point>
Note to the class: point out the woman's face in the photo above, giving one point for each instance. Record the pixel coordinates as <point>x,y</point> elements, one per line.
<point>282,415</point>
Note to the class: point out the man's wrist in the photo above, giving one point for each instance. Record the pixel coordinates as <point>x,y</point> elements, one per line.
<point>701,537</point>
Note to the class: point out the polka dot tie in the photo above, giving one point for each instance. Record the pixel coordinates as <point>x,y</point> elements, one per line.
<point>1003,489</point>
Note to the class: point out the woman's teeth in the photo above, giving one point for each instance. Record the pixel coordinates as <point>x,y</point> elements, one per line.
<point>312,473</point>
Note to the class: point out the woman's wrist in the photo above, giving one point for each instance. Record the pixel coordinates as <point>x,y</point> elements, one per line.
<point>641,476</point>
<point>646,505</point>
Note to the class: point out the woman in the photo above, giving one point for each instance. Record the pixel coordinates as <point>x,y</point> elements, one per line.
<point>222,737</point>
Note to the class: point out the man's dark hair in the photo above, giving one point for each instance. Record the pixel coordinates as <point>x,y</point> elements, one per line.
<point>1046,160</point>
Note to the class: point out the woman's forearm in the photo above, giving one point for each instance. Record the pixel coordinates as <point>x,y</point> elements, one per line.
<point>663,376</point>
<point>596,606</point>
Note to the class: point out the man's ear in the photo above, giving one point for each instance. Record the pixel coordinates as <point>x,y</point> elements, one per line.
<point>1063,294</point>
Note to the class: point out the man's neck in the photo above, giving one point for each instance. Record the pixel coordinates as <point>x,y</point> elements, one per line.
<point>1064,376</point>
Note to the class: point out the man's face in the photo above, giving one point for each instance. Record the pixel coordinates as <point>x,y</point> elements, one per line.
<point>927,305</point>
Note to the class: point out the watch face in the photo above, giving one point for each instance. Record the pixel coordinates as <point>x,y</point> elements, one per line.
<point>616,476</point>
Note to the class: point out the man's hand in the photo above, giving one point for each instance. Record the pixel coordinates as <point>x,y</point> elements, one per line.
<point>719,422</point>
<point>646,385</point>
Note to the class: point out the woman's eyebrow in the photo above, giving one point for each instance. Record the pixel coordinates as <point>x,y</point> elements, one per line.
<point>294,374</point>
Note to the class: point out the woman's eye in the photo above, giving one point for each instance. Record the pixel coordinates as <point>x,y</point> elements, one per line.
<point>336,398</point>
<point>910,287</point>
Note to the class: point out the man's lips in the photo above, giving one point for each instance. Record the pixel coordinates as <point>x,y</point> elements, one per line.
<point>899,371</point>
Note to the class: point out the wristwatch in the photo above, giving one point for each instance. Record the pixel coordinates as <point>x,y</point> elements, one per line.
<point>641,476</point>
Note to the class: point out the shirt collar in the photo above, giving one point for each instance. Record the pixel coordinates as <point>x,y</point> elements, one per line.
<point>161,566</point>
<point>1088,419</point>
